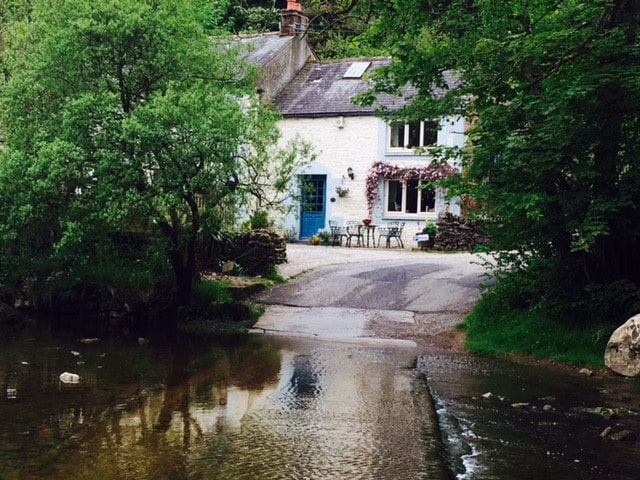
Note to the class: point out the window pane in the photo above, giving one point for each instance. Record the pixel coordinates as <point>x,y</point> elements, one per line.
<point>412,196</point>
<point>414,135</point>
<point>312,190</point>
<point>394,200</point>
<point>430,133</point>
<point>428,200</point>
<point>396,139</point>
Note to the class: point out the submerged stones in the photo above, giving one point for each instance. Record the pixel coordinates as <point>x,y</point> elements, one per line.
<point>622,354</point>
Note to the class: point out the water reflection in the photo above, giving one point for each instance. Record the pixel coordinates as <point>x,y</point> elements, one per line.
<point>184,407</point>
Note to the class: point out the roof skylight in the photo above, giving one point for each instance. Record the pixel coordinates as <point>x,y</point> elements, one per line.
<point>356,69</point>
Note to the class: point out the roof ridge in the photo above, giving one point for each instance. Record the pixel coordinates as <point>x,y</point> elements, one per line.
<point>350,59</point>
<point>242,36</point>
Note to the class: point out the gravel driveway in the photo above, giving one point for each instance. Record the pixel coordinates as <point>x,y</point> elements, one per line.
<point>372,295</point>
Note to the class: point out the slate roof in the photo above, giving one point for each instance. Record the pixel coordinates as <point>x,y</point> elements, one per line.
<point>319,90</point>
<point>264,47</point>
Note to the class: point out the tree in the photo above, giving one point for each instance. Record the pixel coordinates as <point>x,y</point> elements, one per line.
<point>243,16</point>
<point>553,93</point>
<point>336,26</point>
<point>123,115</point>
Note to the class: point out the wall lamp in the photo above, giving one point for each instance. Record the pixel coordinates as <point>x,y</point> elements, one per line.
<point>350,173</point>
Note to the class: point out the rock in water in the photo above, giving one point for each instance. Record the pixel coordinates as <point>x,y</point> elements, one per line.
<point>67,377</point>
<point>622,354</point>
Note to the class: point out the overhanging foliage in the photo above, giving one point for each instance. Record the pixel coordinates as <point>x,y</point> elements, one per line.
<point>553,93</point>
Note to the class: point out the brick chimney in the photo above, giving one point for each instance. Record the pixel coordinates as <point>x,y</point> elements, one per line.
<point>292,20</point>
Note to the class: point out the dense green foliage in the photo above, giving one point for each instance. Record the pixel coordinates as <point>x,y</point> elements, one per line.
<point>334,25</point>
<point>123,119</point>
<point>241,16</point>
<point>552,91</point>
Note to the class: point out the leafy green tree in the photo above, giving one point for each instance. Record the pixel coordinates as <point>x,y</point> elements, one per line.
<point>242,17</point>
<point>123,115</point>
<point>552,92</point>
<point>336,27</point>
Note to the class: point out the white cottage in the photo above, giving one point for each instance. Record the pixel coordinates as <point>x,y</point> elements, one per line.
<point>365,168</point>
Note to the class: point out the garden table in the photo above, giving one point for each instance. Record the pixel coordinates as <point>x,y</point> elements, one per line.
<point>370,232</point>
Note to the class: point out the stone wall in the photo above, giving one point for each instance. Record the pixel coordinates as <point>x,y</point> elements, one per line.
<point>457,234</point>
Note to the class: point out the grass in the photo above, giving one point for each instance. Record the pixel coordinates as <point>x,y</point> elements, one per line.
<point>210,291</point>
<point>219,309</point>
<point>494,328</point>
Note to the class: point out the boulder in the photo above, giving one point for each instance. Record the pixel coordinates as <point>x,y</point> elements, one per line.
<point>622,354</point>
<point>67,377</point>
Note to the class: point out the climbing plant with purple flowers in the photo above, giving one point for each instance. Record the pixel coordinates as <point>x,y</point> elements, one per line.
<point>383,170</point>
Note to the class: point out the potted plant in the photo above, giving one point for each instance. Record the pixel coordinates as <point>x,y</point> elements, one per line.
<point>431,229</point>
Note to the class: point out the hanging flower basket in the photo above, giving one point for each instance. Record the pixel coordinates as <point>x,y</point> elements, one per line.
<point>342,191</point>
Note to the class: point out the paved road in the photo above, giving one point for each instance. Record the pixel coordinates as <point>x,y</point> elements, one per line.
<point>371,295</point>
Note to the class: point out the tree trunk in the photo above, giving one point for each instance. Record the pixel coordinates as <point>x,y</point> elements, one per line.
<point>182,256</point>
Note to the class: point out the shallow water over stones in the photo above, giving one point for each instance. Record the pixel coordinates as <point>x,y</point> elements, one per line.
<point>248,407</point>
<point>255,407</point>
<point>502,420</point>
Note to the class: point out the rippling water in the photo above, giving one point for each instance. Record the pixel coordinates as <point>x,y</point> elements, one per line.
<point>495,425</point>
<point>253,408</point>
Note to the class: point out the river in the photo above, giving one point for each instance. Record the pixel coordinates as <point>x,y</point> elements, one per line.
<point>258,407</point>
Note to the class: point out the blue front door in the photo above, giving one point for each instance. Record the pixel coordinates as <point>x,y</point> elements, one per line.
<point>313,193</point>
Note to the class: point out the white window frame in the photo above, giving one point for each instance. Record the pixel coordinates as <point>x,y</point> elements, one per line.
<point>403,207</point>
<point>405,147</point>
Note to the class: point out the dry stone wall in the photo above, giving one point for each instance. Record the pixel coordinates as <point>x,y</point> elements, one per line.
<point>457,234</point>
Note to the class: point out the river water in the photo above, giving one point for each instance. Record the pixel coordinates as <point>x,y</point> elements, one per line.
<point>256,407</point>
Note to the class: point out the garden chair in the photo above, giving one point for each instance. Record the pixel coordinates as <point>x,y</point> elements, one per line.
<point>337,233</point>
<point>392,230</point>
<point>354,229</point>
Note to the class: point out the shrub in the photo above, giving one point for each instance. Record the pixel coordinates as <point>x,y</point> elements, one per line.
<point>324,237</point>
<point>260,220</point>
<point>431,228</point>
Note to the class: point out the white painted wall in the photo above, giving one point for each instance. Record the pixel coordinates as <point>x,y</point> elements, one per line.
<point>358,142</point>
<point>337,148</point>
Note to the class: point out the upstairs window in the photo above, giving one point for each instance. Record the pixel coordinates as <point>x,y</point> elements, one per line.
<point>408,136</point>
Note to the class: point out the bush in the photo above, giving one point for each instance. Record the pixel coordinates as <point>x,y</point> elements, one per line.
<point>324,237</point>
<point>260,220</point>
<point>431,228</point>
